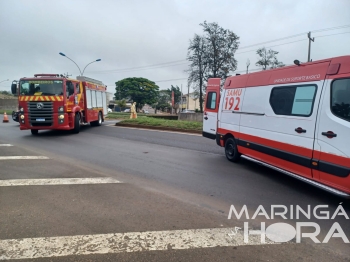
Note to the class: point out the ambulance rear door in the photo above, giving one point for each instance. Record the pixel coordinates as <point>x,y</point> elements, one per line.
<point>211,108</point>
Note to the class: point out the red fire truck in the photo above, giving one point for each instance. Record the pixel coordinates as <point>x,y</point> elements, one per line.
<point>51,101</point>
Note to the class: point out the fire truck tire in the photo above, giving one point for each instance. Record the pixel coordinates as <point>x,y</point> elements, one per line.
<point>231,150</point>
<point>34,132</point>
<point>76,128</point>
<point>98,122</point>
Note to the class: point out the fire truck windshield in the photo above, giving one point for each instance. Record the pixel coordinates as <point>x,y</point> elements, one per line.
<point>41,87</point>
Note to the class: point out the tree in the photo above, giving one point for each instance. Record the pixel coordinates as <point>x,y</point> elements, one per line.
<point>177,93</point>
<point>221,47</point>
<point>163,100</point>
<point>197,55</point>
<point>211,56</point>
<point>138,89</point>
<point>6,93</point>
<point>268,59</point>
<point>121,103</point>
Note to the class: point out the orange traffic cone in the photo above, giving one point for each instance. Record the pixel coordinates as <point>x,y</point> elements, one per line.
<point>6,119</point>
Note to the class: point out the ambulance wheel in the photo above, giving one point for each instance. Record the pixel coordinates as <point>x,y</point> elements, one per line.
<point>76,128</point>
<point>231,150</point>
<point>34,132</point>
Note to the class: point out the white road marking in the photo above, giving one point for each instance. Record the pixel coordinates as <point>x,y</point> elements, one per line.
<point>6,145</point>
<point>22,157</point>
<point>58,181</point>
<point>27,248</point>
<point>157,130</point>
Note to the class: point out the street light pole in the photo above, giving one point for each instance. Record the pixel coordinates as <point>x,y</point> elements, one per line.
<point>248,63</point>
<point>4,80</point>
<point>97,60</point>
<point>71,60</point>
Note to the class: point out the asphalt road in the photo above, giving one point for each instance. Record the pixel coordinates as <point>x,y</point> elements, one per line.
<point>169,182</point>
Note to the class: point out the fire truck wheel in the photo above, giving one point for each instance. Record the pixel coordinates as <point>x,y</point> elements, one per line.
<point>99,121</point>
<point>231,150</point>
<point>76,124</point>
<point>34,131</point>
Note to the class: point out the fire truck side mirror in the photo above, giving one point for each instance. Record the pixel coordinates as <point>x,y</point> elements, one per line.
<point>14,88</point>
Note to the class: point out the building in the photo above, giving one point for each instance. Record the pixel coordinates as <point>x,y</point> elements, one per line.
<point>190,102</point>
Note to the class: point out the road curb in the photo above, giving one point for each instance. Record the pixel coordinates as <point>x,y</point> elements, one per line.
<point>160,128</point>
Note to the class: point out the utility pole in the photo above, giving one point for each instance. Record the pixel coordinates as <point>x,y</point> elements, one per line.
<point>181,99</point>
<point>248,63</point>
<point>188,98</point>
<point>310,39</point>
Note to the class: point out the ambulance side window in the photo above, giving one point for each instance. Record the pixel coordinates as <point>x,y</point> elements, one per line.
<point>340,98</point>
<point>293,100</point>
<point>211,100</point>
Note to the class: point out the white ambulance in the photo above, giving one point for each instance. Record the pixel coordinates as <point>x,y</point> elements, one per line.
<point>293,119</point>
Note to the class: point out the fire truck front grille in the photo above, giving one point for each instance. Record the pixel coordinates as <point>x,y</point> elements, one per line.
<point>40,113</point>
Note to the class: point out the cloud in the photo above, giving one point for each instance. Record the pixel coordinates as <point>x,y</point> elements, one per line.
<point>129,34</point>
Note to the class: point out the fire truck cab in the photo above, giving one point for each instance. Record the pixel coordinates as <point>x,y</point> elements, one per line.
<point>50,101</point>
<point>294,119</point>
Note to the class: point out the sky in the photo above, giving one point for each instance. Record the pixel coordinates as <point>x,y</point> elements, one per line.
<point>150,38</point>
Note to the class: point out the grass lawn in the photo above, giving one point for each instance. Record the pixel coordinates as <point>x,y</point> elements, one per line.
<point>122,115</point>
<point>148,121</point>
<point>8,111</point>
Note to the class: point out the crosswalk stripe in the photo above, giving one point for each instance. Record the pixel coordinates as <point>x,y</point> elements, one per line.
<point>5,145</point>
<point>22,157</point>
<point>26,248</point>
<point>58,181</point>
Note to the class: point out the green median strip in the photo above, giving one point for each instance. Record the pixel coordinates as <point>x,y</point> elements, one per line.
<point>163,124</point>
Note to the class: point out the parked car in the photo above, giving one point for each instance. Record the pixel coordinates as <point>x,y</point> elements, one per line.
<point>187,111</point>
<point>109,110</point>
<point>145,112</point>
<point>127,110</point>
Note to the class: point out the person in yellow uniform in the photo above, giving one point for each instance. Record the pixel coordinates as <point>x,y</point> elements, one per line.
<point>133,114</point>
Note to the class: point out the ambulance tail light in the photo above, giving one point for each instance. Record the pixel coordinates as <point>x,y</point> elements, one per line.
<point>333,69</point>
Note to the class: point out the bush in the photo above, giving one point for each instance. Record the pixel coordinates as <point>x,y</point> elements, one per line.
<point>168,117</point>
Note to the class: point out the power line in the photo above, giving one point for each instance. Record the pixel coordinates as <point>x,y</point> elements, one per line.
<point>331,28</point>
<point>169,80</point>
<point>333,34</point>
<point>279,39</point>
<point>182,62</point>
<point>136,69</point>
<point>139,67</point>
<point>272,46</point>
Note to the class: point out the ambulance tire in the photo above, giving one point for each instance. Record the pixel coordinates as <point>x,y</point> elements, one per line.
<point>231,150</point>
<point>34,131</point>
<point>76,128</point>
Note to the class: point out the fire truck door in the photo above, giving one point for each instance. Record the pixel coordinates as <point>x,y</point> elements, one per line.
<point>70,95</point>
<point>211,108</point>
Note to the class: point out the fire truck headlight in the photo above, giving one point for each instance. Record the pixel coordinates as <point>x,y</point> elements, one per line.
<point>22,116</point>
<point>61,116</point>
<point>60,109</point>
